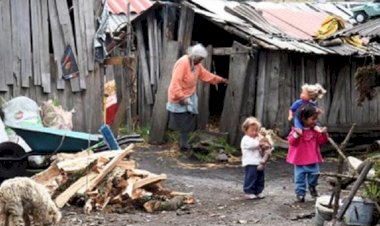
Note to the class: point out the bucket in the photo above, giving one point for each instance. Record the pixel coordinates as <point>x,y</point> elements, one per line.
<point>359,213</point>
<point>322,212</point>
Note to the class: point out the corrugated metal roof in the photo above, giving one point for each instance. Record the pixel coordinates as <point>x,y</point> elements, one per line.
<point>369,29</point>
<point>287,26</point>
<point>118,12</point>
<point>120,6</point>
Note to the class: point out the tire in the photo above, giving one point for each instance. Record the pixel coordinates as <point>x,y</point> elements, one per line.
<point>12,168</point>
<point>361,17</point>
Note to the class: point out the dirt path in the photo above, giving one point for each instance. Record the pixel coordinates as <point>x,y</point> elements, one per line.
<point>218,189</point>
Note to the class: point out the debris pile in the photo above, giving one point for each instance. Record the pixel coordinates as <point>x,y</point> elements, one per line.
<point>108,181</point>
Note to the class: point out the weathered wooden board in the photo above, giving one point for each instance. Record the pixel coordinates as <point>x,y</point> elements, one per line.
<point>143,64</point>
<point>89,8</point>
<point>80,38</point>
<point>248,103</point>
<point>160,114</point>
<point>25,45</point>
<point>321,79</point>
<point>203,92</point>
<point>7,51</point>
<point>3,75</point>
<point>44,51</point>
<point>36,22</point>
<point>169,14</point>
<point>16,43</point>
<point>261,77</point>
<point>68,35</point>
<point>58,42</point>
<point>234,94</point>
<point>185,29</point>
<point>284,97</point>
<point>153,54</point>
<point>272,95</point>
<point>336,114</point>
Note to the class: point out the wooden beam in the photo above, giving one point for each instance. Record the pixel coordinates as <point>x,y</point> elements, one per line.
<point>233,100</point>
<point>65,196</point>
<point>143,63</point>
<point>203,92</point>
<point>160,114</point>
<point>354,189</point>
<point>149,180</point>
<point>109,167</point>
<point>222,51</point>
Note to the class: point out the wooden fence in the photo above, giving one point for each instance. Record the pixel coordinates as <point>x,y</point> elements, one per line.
<point>34,36</point>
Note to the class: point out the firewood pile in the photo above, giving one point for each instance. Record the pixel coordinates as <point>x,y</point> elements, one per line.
<point>106,181</point>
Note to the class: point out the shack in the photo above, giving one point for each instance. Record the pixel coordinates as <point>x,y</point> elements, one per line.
<point>267,52</point>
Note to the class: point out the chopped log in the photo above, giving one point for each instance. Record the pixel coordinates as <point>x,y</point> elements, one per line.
<point>129,189</point>
<point>87,208</point>
<point>110,166</point>
<point>127,165</point>
<point>176,193</point>
<point>172,204</point>
<point>74,165</point>
<point>51,178</point>
<point>66,156</point>
<point>65,196</point>
<point>139,173</point>
<point>149,180</point>
<point>105,203</point>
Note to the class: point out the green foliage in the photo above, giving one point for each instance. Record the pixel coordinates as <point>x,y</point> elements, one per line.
<point>56,102</point>
<point>143,131</point>
<point>372,189</point>
<point>173,136</point>
<point>201,156</point>
<point>222,143</point>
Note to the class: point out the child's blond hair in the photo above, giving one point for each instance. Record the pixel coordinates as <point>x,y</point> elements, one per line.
<point>250,121</point>
<point>315,91</point>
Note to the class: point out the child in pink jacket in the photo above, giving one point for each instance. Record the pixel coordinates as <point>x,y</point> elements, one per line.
<point>304,152</point>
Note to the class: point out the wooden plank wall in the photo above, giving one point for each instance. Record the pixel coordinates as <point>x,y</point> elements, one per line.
<point>280,76</point>
<point>29,67</point>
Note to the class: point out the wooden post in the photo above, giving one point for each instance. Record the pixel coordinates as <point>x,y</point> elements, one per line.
<point>185,29</point>
<point>353,191</point>
<point>160,114</point>
<point>338,187</point>
<point>203,92</point>
<point>234,94</point>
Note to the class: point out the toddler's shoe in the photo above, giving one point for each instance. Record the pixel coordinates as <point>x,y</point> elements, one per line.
<point>260,196</point>
<point>300,198</point>
<point>313,192</point>
<point>250,196</point>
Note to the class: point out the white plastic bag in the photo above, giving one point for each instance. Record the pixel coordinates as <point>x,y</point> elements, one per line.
<point>21,111</point>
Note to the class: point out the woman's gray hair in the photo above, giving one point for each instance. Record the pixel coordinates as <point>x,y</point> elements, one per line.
<point>197,50</point>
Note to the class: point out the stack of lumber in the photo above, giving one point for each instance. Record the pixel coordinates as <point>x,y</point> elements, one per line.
<point>108,178</point>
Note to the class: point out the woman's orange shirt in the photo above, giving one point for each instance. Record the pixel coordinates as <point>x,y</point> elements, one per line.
<point>184,82</point>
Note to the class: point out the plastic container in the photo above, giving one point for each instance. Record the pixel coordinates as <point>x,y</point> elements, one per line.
<point>359,213</point>
<point>109,138</point>
<point>322,212</point>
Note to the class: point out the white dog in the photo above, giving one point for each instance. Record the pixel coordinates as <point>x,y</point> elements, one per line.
<point>24,202</point>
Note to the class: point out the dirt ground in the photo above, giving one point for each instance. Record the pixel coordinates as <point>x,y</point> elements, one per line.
<point>218,191</point>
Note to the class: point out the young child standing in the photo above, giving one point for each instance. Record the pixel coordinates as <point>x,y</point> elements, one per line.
<point>251,158</point>
<point>310,94</point>
<point>304,152</point>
